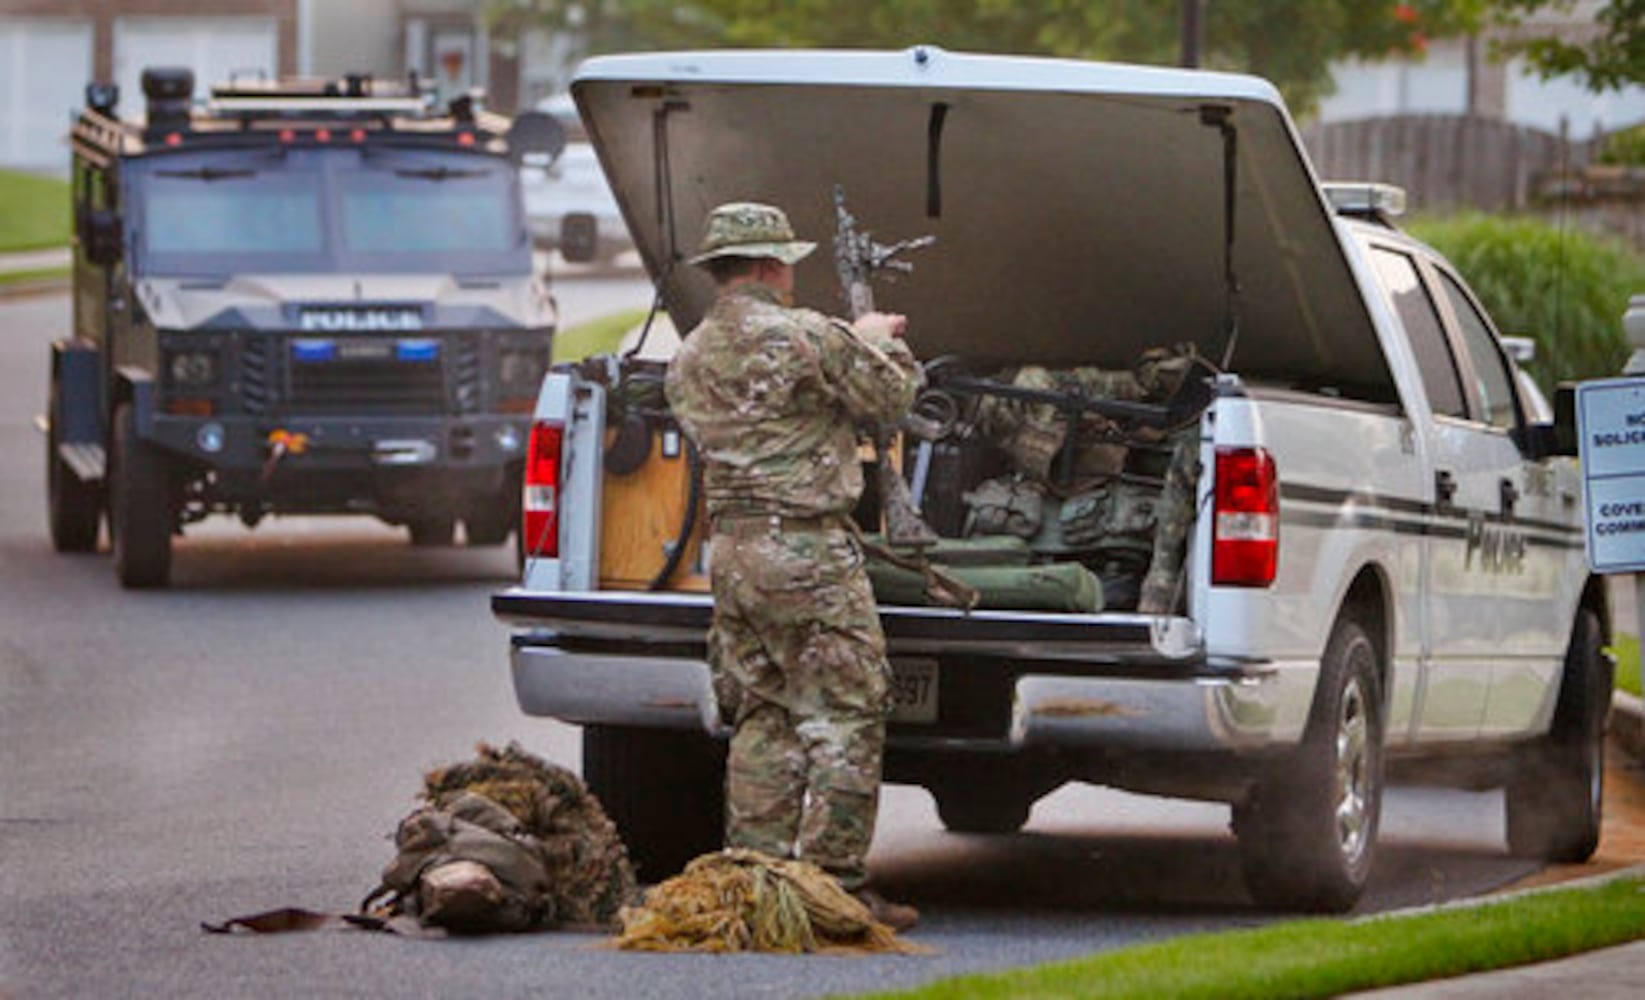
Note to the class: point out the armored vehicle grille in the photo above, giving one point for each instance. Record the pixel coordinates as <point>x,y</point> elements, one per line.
<point>465,374</point>
<point>367,385</point>
<point>254,374</point>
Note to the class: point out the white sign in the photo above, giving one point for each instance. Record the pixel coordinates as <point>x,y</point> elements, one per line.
<point>1610,420</point>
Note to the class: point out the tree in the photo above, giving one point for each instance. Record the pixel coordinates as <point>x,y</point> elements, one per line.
<point>1610,60</point>
<point>1291,42</point>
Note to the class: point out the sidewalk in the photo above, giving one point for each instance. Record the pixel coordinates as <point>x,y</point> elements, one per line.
<point>30,261</point>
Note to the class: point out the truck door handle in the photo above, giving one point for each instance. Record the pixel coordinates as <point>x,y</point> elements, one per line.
<point>1510,496</point>
<point>1445,488</point>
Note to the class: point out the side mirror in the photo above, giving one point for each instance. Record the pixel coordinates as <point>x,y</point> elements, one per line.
<point>1539,441</point>
<point>100,236</point>
<point>536,138</point>
<point>579,237</point>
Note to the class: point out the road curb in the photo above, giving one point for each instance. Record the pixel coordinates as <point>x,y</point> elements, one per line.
<point>1626,723</point>
<point>34,286</point>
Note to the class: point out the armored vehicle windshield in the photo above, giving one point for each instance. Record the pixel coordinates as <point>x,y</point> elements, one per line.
<point>342,210</point>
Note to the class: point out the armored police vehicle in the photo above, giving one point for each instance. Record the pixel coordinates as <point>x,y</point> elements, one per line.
<point>294,297</point>
<point>1379,559</point>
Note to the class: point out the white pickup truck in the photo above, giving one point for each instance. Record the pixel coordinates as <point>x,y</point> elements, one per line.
<point>1384,574</point>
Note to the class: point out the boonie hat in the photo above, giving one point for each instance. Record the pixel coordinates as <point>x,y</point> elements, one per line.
<point>750,229</point>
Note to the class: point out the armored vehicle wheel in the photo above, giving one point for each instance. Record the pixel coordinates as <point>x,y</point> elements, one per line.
<point>1307,833</point>
<point>985,808</point>
<point>490,525</point>
<point>74,506</point>
<point>665,790</point>
<point>428,532</point>
<point>1555,798</point>
<point>142,506</point>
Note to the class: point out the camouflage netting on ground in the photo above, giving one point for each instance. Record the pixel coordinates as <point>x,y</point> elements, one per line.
<point>591,877</point>
<point>740,900</point>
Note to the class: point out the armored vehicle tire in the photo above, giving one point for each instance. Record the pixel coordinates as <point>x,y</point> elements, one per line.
<point>141,514</point>
<point>74,506</point>
<point>1555,798</point>
<point>665,790</point>
<point>490,526</point>
<point>1307,832</point>
<point>981,808</point>
<point>430,532</point>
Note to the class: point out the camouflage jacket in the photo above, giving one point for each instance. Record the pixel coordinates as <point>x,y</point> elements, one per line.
<point>772,397</point>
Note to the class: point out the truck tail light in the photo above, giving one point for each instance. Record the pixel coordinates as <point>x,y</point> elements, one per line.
<point>540,527</point>
<point>1245,535</point>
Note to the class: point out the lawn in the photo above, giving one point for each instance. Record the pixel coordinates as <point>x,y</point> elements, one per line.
<point>34,212</point>
<point>597,336</point>
<point>1626,650</point>
<point>1324,958</point>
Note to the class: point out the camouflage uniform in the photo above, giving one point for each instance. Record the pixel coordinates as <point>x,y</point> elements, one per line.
<point>772,396</point>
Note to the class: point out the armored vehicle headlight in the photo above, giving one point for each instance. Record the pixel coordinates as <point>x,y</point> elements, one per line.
<point>193,368</point>
<point>522,366</point>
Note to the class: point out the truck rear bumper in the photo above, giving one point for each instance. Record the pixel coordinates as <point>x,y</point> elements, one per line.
<point>1235,709</point>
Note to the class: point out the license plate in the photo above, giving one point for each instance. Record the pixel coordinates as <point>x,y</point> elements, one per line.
<point>913,690</point>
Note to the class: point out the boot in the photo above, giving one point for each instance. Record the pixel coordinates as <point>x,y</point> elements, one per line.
<point>897,916</point>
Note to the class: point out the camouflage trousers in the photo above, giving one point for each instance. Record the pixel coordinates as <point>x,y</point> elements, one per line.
<point>799,666</point>
<point>1162,587</point>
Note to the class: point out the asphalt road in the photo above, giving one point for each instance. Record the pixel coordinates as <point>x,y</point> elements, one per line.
<point>248,739</point>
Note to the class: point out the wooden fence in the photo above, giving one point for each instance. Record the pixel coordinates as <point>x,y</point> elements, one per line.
<point>1458,162</point>
<point>1445,162</point>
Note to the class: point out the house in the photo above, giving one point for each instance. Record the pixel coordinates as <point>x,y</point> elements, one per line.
<point>50,50</point>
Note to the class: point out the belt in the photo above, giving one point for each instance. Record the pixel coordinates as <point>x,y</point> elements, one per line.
<point>761,525</point>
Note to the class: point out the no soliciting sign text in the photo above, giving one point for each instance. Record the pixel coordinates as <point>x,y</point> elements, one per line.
<point>1610,415</point>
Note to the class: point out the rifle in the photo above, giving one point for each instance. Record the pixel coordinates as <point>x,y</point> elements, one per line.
<point>856,258</point>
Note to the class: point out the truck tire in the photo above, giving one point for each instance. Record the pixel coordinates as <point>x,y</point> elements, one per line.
<point>142,506</point>
<point>981,809</point>
<point>1307,832</point>
<point>75,507</point>
<point>1555,797</point>
<point>665,790</point>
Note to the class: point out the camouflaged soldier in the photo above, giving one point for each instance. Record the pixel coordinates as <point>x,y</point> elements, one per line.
<point>772,395</point>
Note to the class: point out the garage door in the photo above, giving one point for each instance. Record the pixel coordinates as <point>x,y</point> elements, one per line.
<point>44,68</point>
<point>217,49</point>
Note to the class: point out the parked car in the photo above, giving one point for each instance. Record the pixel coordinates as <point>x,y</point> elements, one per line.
<point>569,206</point>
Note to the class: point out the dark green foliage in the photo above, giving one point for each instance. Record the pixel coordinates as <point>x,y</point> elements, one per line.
<point>1625,148</point>
<point>1562,286</point>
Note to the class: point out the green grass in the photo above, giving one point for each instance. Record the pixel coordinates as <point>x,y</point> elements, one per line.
<point>597,336</point>
<point>34,212</point>
<point>1321,958</point>
<point>8,278</point>
<point>1626,651</point>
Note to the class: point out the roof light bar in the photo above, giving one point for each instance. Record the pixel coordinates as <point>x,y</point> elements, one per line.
<point>1365,198</point>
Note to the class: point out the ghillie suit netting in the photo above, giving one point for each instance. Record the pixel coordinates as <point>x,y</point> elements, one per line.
<point>508,842</point>
<point>742,900</point>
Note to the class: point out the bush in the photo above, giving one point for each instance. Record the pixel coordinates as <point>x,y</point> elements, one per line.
<point>1565,288</point>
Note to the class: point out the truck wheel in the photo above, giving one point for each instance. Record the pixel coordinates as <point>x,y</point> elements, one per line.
<point>981,807</point>
<point>430,532</point>
<point>1555,798</point>
<point>1307,832</point>
<point>74,506</point>
<point>665,790</point>
<point>142,511</point>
